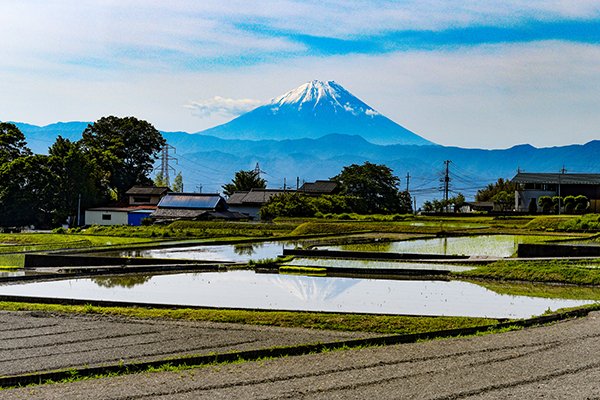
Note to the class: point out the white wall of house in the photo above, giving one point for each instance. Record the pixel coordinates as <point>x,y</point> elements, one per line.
<point>523,197</point>
<point>99,217</point>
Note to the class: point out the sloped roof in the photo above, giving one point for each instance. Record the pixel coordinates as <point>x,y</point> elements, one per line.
<point>192,201</point>
<point>147,191</point>
<point>236,198</point>
<point>254,196</point>
<point>324,187</point>
<point>177,213</point>
<point>556,178</point>
<point>129,209</point>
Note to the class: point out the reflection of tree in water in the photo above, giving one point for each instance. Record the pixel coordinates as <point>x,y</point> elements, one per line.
<point>122,281</point>
<point>246,249</point>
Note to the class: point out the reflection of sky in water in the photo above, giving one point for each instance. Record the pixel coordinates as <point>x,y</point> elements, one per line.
<point>242,252</point>
<point>9,272</point>
<point>483,245</point>
<point>245,289</point>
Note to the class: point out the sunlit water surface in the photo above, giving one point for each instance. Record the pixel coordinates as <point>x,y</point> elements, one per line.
<point>246,289</point>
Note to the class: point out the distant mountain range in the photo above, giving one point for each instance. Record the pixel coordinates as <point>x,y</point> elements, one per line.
<point>338,130</point>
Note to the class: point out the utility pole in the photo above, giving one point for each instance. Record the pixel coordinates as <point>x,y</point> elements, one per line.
<point>446,183</point>
<point>198,188</point>
<point>284,184</point>
<point>407,180</point>
<point>165,168</point>
<point>562,172</point>
<point>78,211</point>
<point>297,183</point>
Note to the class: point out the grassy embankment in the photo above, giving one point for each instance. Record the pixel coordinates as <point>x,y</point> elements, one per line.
<point>555,271</point>
<point>343,322</point>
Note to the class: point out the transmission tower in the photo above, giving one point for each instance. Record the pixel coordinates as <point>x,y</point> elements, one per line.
<point>165,167</point>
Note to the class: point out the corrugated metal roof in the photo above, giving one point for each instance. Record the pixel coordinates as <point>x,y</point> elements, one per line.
<point>556,178</point>
<point>194,201</point>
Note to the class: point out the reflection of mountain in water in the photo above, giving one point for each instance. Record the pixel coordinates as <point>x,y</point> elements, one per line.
<point>313,289</point>
<point>122,281</point>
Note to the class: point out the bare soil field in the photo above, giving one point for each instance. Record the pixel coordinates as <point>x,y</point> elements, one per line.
<point>556,361</point>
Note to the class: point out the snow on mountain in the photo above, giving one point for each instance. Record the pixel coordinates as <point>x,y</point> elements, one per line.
<point>313,110</point>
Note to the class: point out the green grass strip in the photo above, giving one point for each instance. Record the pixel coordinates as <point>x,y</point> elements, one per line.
<point>384,324</point>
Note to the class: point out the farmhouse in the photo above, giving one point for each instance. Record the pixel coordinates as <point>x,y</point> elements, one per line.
<point>118,215</point>
<point>319,187</point>
<point>146,195</point>
<point>194,206</point>
<point>250,202</point>
<point>534,185</point>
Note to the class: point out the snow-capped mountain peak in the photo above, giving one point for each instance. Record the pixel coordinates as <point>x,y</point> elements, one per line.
<point>313,110</point>
<point>321,94</point>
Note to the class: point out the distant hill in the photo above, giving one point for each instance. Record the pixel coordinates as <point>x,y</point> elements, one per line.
<point>313,110</point>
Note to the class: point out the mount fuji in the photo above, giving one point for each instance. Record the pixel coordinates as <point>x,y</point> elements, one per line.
<point>313,110</point>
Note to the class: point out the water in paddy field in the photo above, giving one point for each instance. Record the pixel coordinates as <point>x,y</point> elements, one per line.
<point>4,273</point>
<point>242,252</point>
<point>483,245</point>
<point>246,289</point>
<point>370,264</point>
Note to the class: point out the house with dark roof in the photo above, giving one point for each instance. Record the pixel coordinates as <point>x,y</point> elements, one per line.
<point>250,202</point>
<point>194,206</point>
<point>319,187</point>
<point>145,195</point>
<point>532,186</point>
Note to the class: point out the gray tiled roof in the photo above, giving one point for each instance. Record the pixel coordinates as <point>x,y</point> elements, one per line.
<point>324,187</point>
<point>254,196</point>
<point>236,198</point>
<point>556,178</point>
<point>147,190</point>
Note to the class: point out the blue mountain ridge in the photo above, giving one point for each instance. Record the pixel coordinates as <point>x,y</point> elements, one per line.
<point>211,162</point>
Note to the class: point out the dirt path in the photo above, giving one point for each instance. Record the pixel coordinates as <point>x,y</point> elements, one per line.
<point>556,361</point>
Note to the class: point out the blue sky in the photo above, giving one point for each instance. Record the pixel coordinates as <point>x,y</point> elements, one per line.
<point>467,73</point>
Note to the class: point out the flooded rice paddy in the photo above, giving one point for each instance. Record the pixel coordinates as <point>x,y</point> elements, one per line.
<point>482,245</point>
<point>246,289</point>
<point>242,252</point>
<point>370,264</point>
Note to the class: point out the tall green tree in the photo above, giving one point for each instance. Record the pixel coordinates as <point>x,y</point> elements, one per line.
<point>177,183</point>
<point>374,185</point>
<point>492,189</point>
<point>76,177</point>
<point>12,143</point>
<point>26,192</point>
<point>244,181</point>
<point>125,148</point>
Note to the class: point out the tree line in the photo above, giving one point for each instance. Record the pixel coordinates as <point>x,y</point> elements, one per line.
<point>363,189</point>
<point>112,155</point>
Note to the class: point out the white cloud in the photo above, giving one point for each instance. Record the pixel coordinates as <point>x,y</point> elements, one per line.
<point>222,106</point>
